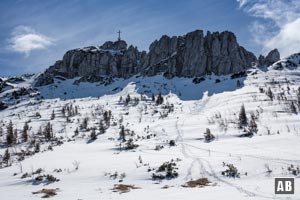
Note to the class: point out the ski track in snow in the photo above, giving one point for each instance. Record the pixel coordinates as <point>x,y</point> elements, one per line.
<point>208,169</point>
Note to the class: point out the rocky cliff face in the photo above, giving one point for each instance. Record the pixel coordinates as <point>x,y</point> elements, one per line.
<point>272,57</point>
<point>111,59</point>
<point>193,54</point>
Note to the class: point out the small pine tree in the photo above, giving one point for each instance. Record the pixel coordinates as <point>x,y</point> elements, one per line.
<point>160,99</point>
<point>130,144</point>
<point>293,108</point>
<point>6,157</point>
<point>76,132</point>
<point>107,117</point>
<point>252,124</point>
<point>84,124</point>
<point>38,115</point>
<point>48,133</point>
<point>93,134</point>
<point>208,136</point>
<point>242,117</point>
<point>270,94</point>
<point>63,112</point>
<point>10,134</point>
<point>15,137</point>
<point>37,147</point>
<point>101,127</point>
<point>25,132</point>
<point>76,110</point>
<point>52,115</point>
<point>128,99</point>
<point>172,143</point>
<point>153,97</point>
<point>122,134</point>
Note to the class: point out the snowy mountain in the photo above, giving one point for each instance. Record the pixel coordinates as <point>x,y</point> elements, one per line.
<point>151,137</point>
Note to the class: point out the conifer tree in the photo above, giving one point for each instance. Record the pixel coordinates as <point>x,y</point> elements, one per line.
<point>159,99</point>
<point>52,115</point>
<point>128,99</point>
<point>270,94</point>
<point>101,127</point>
<point>76,132</point>
<point>93,134</point>
<point>15,136</point>
<point>48,133</point>
<point>37,147</point>
<point>122,133</point>
<point>76,110</point>
<point>6,156</point>
<point>293,108</point>
<point>84,124</point>
<point>242,117</point>
<point>63,111</point>
<point>25,132</point>
<point>208,136</point>
<point>252,124</point>
<point>10,134</point>
<point>107,117</point>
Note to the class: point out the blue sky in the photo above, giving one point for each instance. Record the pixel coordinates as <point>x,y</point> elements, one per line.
<point>34,33</point>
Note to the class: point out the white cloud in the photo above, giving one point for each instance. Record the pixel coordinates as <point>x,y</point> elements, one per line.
<point>287,40</point>
<point>242,2</point>
<point>25,39</point>
<point>277,24</point>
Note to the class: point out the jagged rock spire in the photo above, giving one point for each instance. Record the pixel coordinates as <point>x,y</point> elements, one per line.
<point>272,57</point>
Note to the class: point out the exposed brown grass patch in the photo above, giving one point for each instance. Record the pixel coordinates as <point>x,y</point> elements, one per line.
<point>122,188</point>
<point>47,193</point>
<point>201,182</point>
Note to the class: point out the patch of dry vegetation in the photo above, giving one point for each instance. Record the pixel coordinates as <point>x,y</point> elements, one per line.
<point>201,182</point>
<point>47,193</point>
<point>122,188</point>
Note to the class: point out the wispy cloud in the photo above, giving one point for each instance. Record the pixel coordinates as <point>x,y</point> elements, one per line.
<point>242,2</point>
<point>25,39</point>
<point>277,24</point>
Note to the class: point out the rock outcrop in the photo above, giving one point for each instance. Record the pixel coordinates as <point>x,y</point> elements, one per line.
<point>4,86</point>
<point>111,59</point>
<point>3,106</point>
<point>291,62</point>
<point>193,54</point>
<point>272,57</point>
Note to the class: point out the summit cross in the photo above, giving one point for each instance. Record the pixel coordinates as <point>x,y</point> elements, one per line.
<point>119,37</point>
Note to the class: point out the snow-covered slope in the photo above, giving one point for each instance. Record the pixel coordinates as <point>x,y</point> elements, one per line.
<point>89,168</point>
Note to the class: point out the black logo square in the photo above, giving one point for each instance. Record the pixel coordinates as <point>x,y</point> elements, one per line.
<point>284,185</point>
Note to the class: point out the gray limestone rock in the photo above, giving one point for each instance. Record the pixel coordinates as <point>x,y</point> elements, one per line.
<point>272,57</point>
<point>194,54</point>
